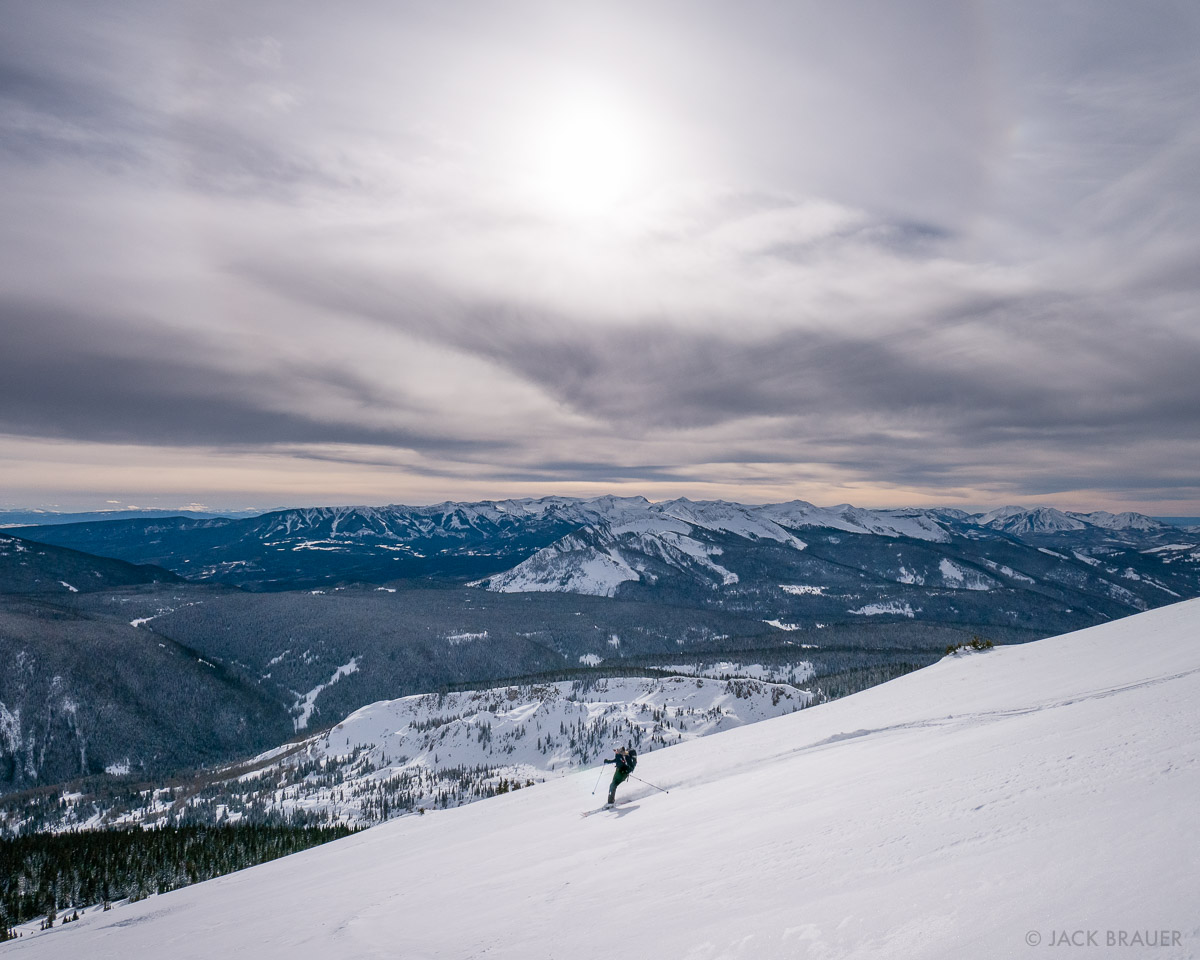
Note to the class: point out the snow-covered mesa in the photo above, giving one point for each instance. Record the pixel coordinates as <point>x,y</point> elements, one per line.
<point>981,808</point>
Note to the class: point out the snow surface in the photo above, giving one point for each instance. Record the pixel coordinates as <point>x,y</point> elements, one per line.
<point>956,576</point>
<point>434,751</point>
<point>1119,521</point>
<point>598,559</point>
<point>566,566</point>
<point>454,639</point>
<point>892,608</point>
<point>1021,520</point>
<point>970,809</point>
<point>1006,570</point>
<point>306,704</point>
<point>917,524</point>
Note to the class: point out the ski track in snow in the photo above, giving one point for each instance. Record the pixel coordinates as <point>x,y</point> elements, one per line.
<point>959,811</point>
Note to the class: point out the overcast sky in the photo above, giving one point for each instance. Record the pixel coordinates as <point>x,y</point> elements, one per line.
<point>889,253</point>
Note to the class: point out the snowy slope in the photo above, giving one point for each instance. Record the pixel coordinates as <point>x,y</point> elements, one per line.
<point>917,524</point>
<point>1018,520</point>
<point>728,554</point>
<point>971,809</point>
<point>1121,521</point>
<point>431,750</point>
<point>598,559</point>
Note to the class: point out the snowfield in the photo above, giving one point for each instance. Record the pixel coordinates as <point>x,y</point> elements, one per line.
<point>892,609</point>
<point>984,807</point>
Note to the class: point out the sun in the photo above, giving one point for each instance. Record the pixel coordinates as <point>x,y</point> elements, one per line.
<point>587,156</point>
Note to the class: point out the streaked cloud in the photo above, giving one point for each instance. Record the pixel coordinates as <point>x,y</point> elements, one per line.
<point>889,253</point>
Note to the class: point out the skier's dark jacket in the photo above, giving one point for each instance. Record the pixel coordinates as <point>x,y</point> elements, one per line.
<point>625,762</point>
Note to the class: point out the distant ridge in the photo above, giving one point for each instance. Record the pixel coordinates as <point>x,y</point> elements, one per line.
<point>21,518</point>
<point>29,567</point>
<point>800,562</point>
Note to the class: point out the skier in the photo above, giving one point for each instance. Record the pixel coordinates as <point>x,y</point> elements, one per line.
<point>625,759</point>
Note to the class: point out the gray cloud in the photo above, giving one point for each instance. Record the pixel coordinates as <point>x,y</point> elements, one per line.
<point>929,247</point>
<point>1053,389</point>
<point>100,378</point>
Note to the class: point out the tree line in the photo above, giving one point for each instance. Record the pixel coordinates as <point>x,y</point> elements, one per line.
<point>54,875</point>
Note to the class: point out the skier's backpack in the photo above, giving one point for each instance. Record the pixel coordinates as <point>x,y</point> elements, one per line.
<point>631,759</point>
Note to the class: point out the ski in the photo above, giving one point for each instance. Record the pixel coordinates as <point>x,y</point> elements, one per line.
<point>607,806</point>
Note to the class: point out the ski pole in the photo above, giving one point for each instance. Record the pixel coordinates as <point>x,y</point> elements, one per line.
<point>598,781</point>
<point>646,782</point>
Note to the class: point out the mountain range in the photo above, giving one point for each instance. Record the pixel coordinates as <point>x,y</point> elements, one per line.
<point>295,619</point>
<point>620,546</point>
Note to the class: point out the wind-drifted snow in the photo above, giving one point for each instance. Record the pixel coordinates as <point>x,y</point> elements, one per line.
<point>970,809</point>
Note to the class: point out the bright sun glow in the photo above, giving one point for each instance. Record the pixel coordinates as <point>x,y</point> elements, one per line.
<point>586,156</point>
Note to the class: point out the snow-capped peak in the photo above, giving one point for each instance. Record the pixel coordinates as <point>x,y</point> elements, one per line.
<point>914,523</point>
<point>1119,521</point>
<point>1024,520</point>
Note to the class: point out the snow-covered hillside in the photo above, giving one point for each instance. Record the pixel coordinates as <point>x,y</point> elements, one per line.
<point>885,562</point>
<point>439,750</point>
<point>598,559</point>
<point>985,807</point>
<point>1019,520</point>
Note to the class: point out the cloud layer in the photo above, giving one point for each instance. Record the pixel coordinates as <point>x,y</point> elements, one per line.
<point>927,252</point>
